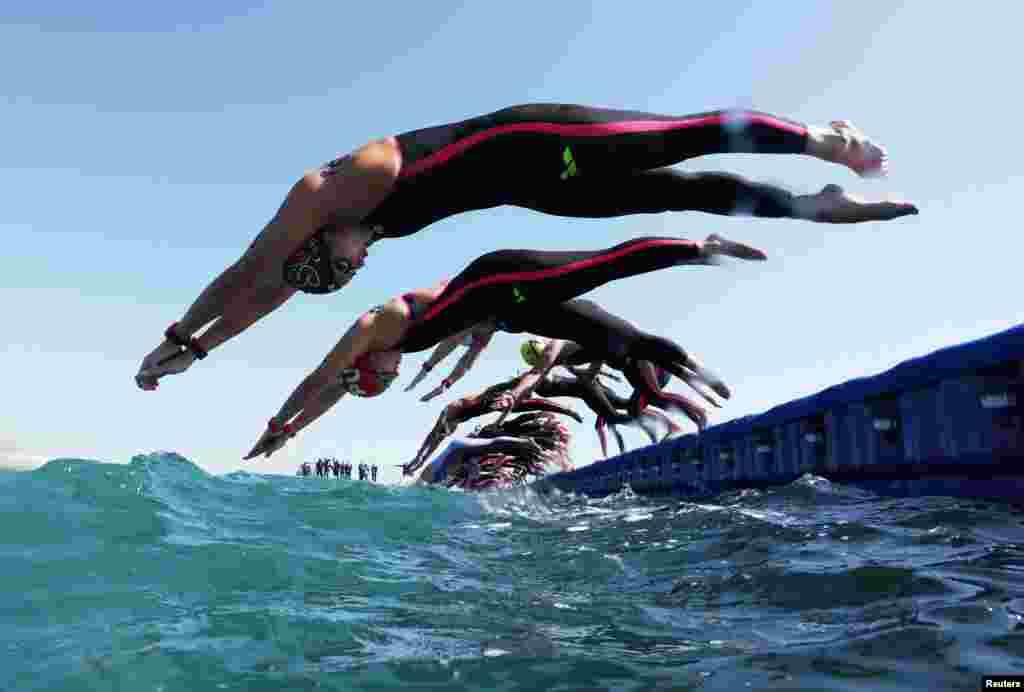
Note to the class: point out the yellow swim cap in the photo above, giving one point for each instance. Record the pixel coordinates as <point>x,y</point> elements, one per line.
<point>532,351</point>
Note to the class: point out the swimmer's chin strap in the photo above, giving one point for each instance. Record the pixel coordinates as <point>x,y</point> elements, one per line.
<point>310,269</point>
<point>377,381</point>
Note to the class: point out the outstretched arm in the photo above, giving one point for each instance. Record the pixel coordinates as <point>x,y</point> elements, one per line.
<point>588,373</point>
<point>457,451</point>
<point>342,194</point>
<point>440,352</point>
<point>263,302</point>
<point>244,314</point>
<point>466,362</point>
<point>529,381</point>
<point>459,411</point>
<point>318,392</point>
<point>446,424</point>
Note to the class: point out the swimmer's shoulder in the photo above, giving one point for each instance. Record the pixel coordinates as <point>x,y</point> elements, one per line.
<point>385,318</point>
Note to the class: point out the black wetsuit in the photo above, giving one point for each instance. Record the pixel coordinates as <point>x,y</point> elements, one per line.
<point>600,335</point>
<point>579,161</point>
<point>602,400</point>
<point>511,286</point>
<point>653,393</point>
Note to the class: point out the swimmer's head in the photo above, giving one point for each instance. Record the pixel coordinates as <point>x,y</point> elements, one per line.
<point>532,352</point>
<point>372,373</point>
<point>329,259</point>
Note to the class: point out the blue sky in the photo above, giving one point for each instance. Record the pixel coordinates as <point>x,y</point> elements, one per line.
<point>144,146</point>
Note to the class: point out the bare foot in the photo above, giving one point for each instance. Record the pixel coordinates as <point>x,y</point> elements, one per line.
<point>699,417</point>
<point>716,244</point>
<point>846,145</point>
<point>695,383</point>
<point>835,205</point>
<point>705,377</point>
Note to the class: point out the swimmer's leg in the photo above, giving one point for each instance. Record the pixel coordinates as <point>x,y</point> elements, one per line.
<point>844,144</point>
<point>670,356</point>
<point>618,439</point>
<point>503,157</point>
<point>521,281</point>
<point>648,419</point>
<point>599,427</point>
<point>603,140</point>
<point>600,141</point>
<point>835,205</point>
<point>666,189</point>
<point>562,141</point>
<point>640,376</point>
<point>671,427</point>
<point>678,402</point>
<point>645,423</point>
<point>599,399</point>
<point>637,406</point>
<point>616,400</point>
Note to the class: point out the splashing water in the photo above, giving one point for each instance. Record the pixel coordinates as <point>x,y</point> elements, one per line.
<point>157,576</point>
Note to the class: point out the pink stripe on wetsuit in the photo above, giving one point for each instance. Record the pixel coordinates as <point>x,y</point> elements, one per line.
<point>514,277</point>
<point>444,155</point>
<point>503,284</point>
<point>558,159</point>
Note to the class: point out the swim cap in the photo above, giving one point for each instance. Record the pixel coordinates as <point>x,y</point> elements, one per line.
<point>532,352</point>
<point>309,268</point>
<point>372,373</point>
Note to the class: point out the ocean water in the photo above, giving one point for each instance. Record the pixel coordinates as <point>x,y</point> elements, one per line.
<point>158,576</point>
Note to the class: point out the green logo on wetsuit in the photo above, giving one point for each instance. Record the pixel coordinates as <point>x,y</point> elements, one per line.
<point>518,295</point>
<point>570,164</point>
